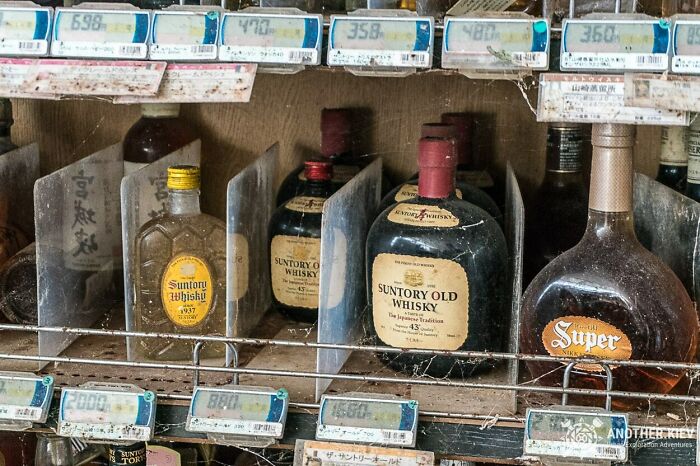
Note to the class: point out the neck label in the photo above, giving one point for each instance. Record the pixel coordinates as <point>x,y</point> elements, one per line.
<point>693,156</point>
<point>24,31</point>
<point>184,35</point>
<point>410,191</point>
<point>674,147</point>
<point>565,147</point>
<point>306,204</point>
<point>423,216</point>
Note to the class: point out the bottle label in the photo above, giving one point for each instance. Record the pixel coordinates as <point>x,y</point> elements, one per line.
<point>577,336</point>
<point>162,456</point>
<point>132,455</point>
<point>566,147</point>
<point>478,178</point>
<point>420,302</point>
<point>422,216</point>
<point>296,269</point>
<point>306,204</point>
<point>410,191</point>
<point>187,290</point>
<point>341,173</point>
<point>693,156</point>
<point>241,265</point>
<point>674,148</point>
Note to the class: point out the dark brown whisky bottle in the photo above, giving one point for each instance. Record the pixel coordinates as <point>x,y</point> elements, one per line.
<point>673,160</point>
<point>608,297</point>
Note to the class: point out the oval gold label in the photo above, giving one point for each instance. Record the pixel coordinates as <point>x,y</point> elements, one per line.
<point>187,290</point>
<point>577,336</point>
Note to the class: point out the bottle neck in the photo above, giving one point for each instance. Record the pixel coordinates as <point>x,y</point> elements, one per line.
<point>436,182</point>
<point>674,147</point>
<point>317,188</point>
<point>183,202</point>
<point>564,149</point>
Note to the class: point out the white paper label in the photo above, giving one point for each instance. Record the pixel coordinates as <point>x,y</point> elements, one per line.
<point>239,427</point>
<point>686,47</point>
<point>463,7</point>
<point>340,454</point>
<point>584,98</point>
<point>184,35</point>
<point>663,91</point>
<point>24,31</point>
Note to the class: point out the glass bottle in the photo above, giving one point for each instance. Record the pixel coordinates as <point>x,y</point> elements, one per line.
<point>558,218</point>
<point>608,297</point>
<point>6,121</point>
<point>52,450</point>
<point>127,455</point>
<point>673,161</point>
<point>692,188</point>
<point>436,273</point>
<point>295,245</point>
<point>180,273</point>
<point>18,287</point>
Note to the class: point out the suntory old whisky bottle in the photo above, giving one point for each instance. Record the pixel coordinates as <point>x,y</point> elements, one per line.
<point>673,160</point>
<point>295,245</point>
<point>180,273</point>
<point>608,297</point>
<point>436,273</point>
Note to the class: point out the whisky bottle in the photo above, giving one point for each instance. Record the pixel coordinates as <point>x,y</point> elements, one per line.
<point>436,273</point>
<point>558,217</point>
<point>180,273</point>
<point>692,188</point>
<point>18,287</point>
<point>295,245</point>
<point>463,190</point>
<point>6,121</point>
<point>673,163</point>
<point>608,297</point>
<point>127,455</point>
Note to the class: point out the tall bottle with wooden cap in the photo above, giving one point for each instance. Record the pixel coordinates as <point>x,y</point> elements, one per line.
<point>608,297</point>
<point>436,273</point>
<point>180,273</point>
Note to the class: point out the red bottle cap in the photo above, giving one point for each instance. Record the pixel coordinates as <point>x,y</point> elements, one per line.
<point>436,168</point>
<point>463,124</point>
<point>438,130</point>
<point>317,170</point>
<point>336,128</point>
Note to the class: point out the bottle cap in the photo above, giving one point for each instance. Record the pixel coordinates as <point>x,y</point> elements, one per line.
<point>6,112</point>
<point>336,128</point>
<point>463,124</point>
<point>563,126</point>
<point>160,110</point>
<point>438,130</point>
<point>436,153</point>
<point>183,177</point>
<point>318,170</point>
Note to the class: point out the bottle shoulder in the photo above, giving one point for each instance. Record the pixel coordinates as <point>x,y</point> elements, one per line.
<point>200,224</point>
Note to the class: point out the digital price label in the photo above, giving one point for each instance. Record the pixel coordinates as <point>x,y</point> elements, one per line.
<point>576,433</point>
<point>401,42</point>
<point>87,33</point>
<point>107,412</point>
<point>24,397</point>
<point>24,31</point>
<point>184,35</point>
<point>495,44</point>
<point>686,46</point>
<point>615,45</point>
<point>272,38</point>
<point>364,419</point>
<point>238,411</point>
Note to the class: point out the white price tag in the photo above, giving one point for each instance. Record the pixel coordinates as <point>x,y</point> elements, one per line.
<point>376,42</point>
<point>238,411</point>
<point>24,31</point>
<point>585,98</point>
<point>309,452</point>
<point>495,44</point>
<point>25,397</point>
<point>272,38</point>
<point>184,35</point>
<point>615,45</point>
<point>686,46</point>
<point>576,433</point>
<point>87,33</point>
<point>364,419</point>
<point>97,412</point>
<point>668,91</point>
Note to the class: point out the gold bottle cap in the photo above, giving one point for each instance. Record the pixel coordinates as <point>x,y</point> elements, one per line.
<point>183,177</point>
<point>160,110</point>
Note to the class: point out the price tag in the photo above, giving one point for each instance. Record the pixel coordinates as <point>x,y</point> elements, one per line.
<point>615,45</point>
<point>272,38</point>
<point>586,98</point>
<point>578,433</point>
<point>25,397</point>
<point>667,91</point>
<point>24,31</point>
<point>401,42</point>
<point>363,419</point>
<point>107,412</point>
<point>686,46</point>
<point>308,452</point>
<point>184,35</point>
<point>495,44</point>
<point>238,411</point>
<point>86,33</point>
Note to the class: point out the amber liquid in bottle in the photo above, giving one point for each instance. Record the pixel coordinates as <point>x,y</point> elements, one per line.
<point>180,273</point>
<point>608,297</point>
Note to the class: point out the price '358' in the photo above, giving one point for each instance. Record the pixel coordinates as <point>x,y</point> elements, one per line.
<point>361,31</point>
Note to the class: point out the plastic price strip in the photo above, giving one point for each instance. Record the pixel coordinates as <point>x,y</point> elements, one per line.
<point>271,38</point>
<point>87,33</point>
<point>401,42</point>
<point>24,397</point>
<point>184,35</point>
<point>238,411</point>
<point>495,44</point>
<point>686,46</point>
<point>585,98</point>
<point>615,45</point>
<point>107,412</point>
<point>326,453</point>
<point>576,433</point>
<point>364,419</point>
<point>24,31</point>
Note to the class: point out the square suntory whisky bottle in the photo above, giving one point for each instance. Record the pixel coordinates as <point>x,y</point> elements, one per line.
<point>180,273</point>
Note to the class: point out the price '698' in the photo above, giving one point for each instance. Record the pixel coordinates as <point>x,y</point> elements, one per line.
<point>88,22</point>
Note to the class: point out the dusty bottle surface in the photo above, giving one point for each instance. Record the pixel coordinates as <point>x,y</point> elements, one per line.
<point>692,187</point>
<point>436,273</point>
<point>295,245</point>
<point>559,209</point>
<point>673,160</point>
<point>180,273</point>
<point>608,297</point>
